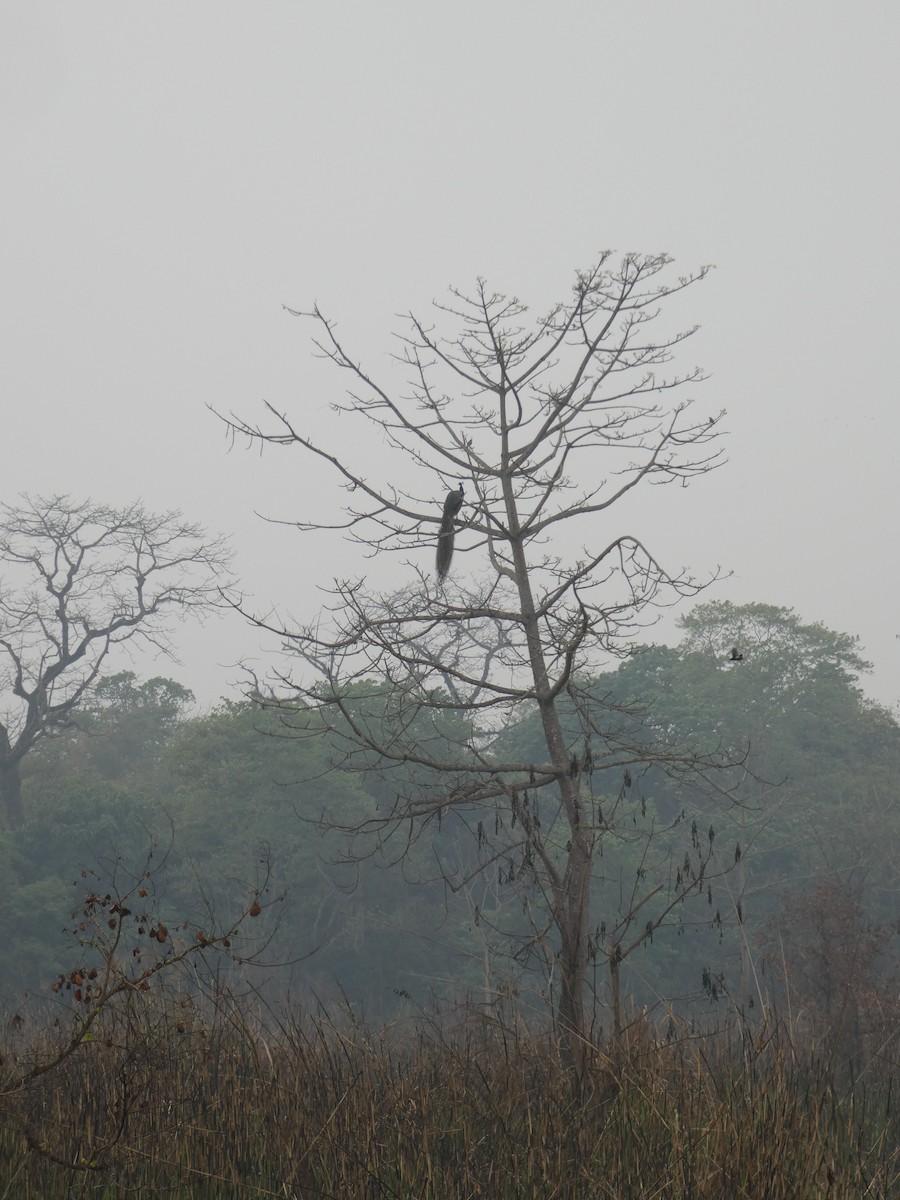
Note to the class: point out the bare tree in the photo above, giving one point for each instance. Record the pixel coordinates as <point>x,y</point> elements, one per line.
<point>80,578</point>
<point>548,426</point>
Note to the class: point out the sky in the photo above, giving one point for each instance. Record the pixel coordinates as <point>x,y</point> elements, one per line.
<point>176,174</point>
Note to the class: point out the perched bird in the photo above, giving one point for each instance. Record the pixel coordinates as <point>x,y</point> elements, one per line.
<point>736,655</point>
<point>452,505</point>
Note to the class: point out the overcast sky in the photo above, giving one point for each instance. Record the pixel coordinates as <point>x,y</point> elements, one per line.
<point>173,174</point>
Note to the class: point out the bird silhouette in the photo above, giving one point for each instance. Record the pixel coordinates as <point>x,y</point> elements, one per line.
<point>452,504</point>
<point>736,655</point>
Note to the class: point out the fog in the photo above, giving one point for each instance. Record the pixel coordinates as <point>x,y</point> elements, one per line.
<point>175,175</point>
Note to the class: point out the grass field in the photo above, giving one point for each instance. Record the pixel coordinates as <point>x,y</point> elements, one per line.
<point>162,1102</point>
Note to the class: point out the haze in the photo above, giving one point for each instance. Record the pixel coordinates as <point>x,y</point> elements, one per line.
<point>175,174</point>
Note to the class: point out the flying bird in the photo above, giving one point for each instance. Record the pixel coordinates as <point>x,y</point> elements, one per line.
<point>736,655</point>
<point>452,504</point>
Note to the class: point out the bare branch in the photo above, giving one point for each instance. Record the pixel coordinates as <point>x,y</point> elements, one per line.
<point>549,424</point>
<point>80,579</point>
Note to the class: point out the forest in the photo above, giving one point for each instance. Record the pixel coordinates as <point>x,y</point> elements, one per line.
<point>210,805</point>
<point>206,811</point>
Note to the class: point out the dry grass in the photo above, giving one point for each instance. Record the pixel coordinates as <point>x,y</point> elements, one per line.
<point>164,1103</point>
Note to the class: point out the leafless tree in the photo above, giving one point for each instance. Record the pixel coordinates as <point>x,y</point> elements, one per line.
<point>549,426</point>
<point>80,578</point>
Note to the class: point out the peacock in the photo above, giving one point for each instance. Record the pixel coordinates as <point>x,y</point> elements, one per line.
<point>452,504</point>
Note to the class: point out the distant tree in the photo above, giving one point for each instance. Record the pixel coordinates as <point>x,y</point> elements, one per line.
<point>125,693</point>
<point>548,426</point>
<point>80,579</point>
<point>788,656</point>
<point>239,783</point>
<point>128,721</point>
<point>795,700</point>
<point>821,759</point>
<point>216,793</point>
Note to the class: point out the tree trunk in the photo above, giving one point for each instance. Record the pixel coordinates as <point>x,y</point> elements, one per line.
<point>572,901</point>
<point>11,792</point>
<point>573,929</point>
<point>616,996</point>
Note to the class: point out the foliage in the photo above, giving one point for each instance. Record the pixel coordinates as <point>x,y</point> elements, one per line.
<point>818,771</point>
<point>222,797</point>
<point>222,793</point>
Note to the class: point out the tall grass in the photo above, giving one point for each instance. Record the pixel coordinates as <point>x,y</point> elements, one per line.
<point>164,1102</point>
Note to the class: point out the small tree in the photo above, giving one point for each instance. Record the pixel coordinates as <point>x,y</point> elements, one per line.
<point>133,987</point>
<point>829,954</point>
<point>548,427</point>
<point>80,579</point>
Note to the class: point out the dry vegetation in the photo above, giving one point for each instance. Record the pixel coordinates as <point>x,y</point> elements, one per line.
<point>166,1101</point>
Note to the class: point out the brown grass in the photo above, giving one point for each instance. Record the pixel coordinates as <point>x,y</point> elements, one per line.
<point>164,1102</point>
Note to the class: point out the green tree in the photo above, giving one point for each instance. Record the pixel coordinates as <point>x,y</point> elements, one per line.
<point>242,787</point>
<point>819,760</point>
<point>123,726</point>
<point>216,800</point>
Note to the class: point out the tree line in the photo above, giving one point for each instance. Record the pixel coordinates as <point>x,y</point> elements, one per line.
<point>798,902</point>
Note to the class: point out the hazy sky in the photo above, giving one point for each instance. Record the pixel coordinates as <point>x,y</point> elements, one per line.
<point>175,173</point>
